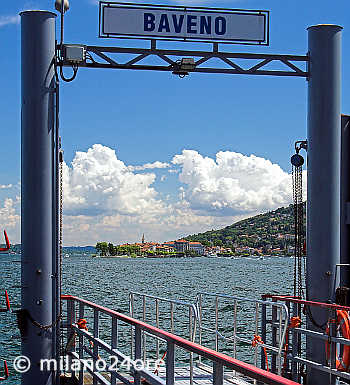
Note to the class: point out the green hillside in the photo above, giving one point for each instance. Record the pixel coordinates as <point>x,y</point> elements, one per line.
<point>271,230</point>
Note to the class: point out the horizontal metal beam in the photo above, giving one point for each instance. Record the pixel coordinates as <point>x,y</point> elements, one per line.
<point>174,52</point>
<point>226,63</point>
<point>198,70</point>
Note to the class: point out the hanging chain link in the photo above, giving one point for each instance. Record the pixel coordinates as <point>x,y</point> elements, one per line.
<point>298,231</point>
<point>59,213</point>
<point>60,236</point>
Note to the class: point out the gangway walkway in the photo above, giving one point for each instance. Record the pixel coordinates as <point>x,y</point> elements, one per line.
<point>202,375</point>
<point>91,345</point>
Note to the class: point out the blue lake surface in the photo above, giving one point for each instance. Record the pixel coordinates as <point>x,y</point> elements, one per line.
<point>108,282</point>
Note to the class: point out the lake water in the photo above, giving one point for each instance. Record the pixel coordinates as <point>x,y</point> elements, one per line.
<point>108,282</point>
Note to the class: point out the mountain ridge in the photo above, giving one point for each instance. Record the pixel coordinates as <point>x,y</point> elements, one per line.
<point>271,230</point>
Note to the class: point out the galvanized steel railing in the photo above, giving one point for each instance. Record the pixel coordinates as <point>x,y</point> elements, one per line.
<point>296,356</point>
<point>218,360</point>
<point>280,320</point>
<point>173,305</point>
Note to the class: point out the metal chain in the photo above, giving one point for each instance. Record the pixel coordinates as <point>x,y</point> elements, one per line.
<point>59,209</point>
<point>61,218</point>
<point>44,327</point>
<point>23,315</point>
<point>295,237</point>
<point>60,236</point>
<point>298,231</point>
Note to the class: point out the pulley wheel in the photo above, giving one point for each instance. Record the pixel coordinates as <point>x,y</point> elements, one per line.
<point>297,160</point>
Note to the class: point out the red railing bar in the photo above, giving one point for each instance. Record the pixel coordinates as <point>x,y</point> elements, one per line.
<point>7,248</point>
<point>242,367</point>
<point>6,371</point>
<point>8,306</point>
<point>309,303</point>
<point>7,301</point>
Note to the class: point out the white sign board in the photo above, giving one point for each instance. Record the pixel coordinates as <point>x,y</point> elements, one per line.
<point>180,23</point>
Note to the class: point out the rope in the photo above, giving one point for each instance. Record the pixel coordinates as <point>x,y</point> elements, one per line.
<point>295,322</point>
<point>255,342</point>
<point>161,360</point>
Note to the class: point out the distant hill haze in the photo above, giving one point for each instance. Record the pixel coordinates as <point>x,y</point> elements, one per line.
<point>270,231</point>
<point>69,249</point>
<point>264,232</point>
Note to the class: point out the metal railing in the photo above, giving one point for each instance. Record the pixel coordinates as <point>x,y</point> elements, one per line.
<point>149,312</point>
<point>245,306</point>
<point>218,360</point>
<point>296,356</point>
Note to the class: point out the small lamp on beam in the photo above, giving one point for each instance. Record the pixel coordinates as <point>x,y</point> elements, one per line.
<point>58,5</point>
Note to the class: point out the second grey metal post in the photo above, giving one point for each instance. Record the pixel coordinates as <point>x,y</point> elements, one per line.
<point>323,200</point>
<point>344,271</point>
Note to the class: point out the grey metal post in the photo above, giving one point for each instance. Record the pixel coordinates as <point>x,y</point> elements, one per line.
<point>38,51</point>
<point>323,200</point>
<point>344,271</point>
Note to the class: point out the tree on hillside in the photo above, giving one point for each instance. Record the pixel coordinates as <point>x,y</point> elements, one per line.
<point>111,249</point>
<point>102,248</point>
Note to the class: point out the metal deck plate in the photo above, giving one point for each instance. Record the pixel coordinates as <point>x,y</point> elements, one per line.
<point>202,375</point>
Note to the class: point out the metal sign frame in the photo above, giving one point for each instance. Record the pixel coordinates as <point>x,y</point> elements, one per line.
<point>133,58</point>
<point>109,4</point>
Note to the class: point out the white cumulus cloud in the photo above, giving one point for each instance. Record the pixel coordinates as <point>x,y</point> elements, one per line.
<point>99,183</point>
<point>104,200</point>
<point>149,166</point>
<point>10,219</point>
<point>6,20</point>
<point>107,200</point>
<point>8,213</point>
<point>232,184</point>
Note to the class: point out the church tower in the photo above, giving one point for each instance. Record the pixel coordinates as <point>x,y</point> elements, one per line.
<point>143,239</point>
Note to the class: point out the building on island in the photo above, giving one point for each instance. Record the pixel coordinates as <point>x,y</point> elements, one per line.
<point>196,247</point>
<point>181,245</point>
<point>154,248</point>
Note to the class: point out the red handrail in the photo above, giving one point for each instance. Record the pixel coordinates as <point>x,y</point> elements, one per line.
<point>7,248</point>
<point>242,367</point>
<point>6,371</point>
<point>8,306</point>
<point>7,301</point>
<point>292,299</point>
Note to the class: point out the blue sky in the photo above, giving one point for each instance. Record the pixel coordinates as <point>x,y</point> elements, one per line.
<point>222,143</point>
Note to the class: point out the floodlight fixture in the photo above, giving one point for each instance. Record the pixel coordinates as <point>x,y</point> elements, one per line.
<point>58,5</point>
<point>183,66</point>
<point>187,64</point>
